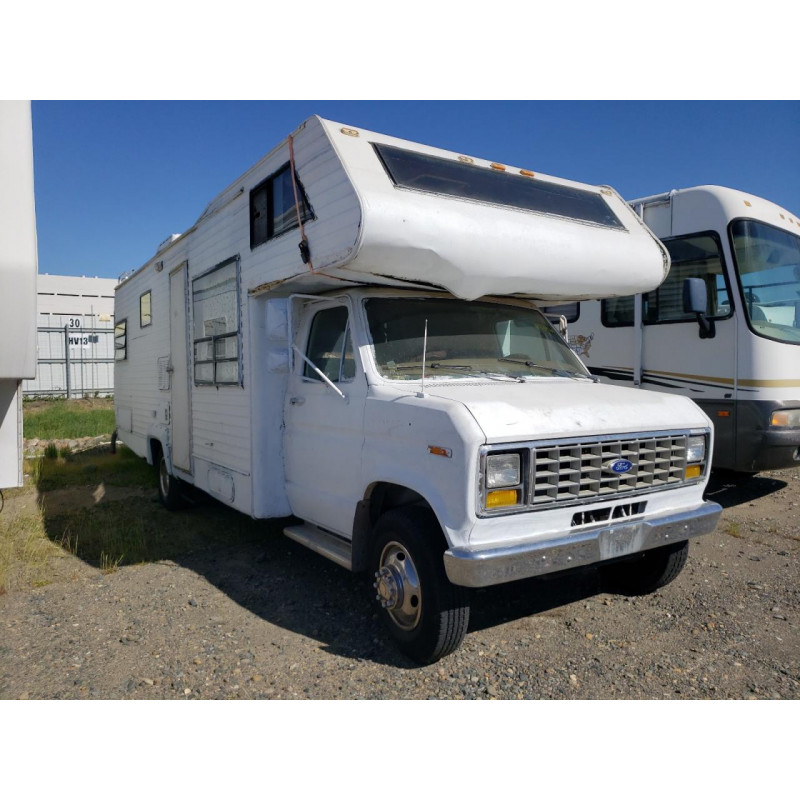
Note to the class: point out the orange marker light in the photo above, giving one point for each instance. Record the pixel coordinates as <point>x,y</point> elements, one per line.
<point>440,451</point>
<point>527,173</point>
<point>693,472</point>
<point>498,166</point>
<point>501,497</point>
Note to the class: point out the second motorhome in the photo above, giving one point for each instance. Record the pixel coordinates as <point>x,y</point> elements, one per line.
<point>737,357</point>
<point>348,334</point>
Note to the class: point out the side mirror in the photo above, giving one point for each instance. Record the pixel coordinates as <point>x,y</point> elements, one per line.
<point>695,301</point>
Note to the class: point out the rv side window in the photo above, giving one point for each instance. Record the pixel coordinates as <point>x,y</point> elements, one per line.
<point>215,312</point>
<point>272,207</point>
<point>121,340</point>
<point>425,173</point>
<point>145,317</point>
<point>697,256</point>
<point>330,347</point>
<point>617,312</point>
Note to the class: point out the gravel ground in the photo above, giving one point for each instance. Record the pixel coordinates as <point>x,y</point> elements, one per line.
<point>273,620</point>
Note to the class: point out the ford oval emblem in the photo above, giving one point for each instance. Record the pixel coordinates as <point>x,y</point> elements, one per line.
<point>619,466</point>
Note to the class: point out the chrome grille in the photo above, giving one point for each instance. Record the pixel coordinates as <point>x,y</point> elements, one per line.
<point>578,472</point>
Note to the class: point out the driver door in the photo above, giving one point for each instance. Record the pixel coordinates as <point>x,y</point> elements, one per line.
<point>324,430</point>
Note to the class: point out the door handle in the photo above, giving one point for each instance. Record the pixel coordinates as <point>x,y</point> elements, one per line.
<point>297,401</point>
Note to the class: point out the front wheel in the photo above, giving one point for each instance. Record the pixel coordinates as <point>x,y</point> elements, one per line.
<point>426,614</point>
<point>649,571</point>
<point>169,487</point>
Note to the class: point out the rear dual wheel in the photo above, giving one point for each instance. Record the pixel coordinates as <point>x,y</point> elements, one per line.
<point>425,614</point>
<point>170,488</point>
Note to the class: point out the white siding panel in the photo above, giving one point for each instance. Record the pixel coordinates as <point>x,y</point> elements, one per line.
<point>136,377</point>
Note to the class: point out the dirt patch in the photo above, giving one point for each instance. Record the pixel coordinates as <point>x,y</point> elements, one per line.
<point>242,612</point>
<point>61,501</point>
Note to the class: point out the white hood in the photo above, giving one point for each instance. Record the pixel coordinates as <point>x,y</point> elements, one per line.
<point>544,409</point>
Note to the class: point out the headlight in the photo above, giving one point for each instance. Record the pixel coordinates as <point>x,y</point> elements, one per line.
<point>502,470</point>
<point>785,418</point>
<point>695,449</point>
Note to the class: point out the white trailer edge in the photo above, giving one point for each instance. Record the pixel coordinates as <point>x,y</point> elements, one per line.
<point>18,268</point>
<point>348,334</point>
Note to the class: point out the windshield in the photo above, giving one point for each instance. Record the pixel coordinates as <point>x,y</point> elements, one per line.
<point>768,262</point>
<point>466,340</point>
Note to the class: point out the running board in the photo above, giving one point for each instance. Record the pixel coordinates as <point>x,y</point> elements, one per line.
<point>338,550</point>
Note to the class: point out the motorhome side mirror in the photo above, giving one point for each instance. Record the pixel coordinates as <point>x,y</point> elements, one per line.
<point>695,301</point>
<point>695,296</point>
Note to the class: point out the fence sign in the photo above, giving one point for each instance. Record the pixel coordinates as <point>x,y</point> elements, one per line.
<point>76,338</point>
<point>76,356</point>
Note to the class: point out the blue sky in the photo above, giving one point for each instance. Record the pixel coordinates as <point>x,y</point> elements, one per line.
<point>113,179</point>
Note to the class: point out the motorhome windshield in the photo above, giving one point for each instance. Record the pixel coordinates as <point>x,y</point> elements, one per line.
<point>466,340</point>
<point>768,264</point>
<point>425,173</point>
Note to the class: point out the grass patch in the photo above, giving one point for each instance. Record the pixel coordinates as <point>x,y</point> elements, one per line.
<point>137,531</point>
<point>123,468</point>
<point>734,529</point>
<point>106,530</point>
<point>68,419</point>
<point>25,550</point>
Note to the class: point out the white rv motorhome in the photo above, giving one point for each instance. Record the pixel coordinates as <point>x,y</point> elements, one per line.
<point>18,267</point>
<point>738,355</point>
<point>348,335</point>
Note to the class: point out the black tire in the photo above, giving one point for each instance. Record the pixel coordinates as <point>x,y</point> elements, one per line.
<point>649,571</point>
<point>406,565</point>
<point>170,488</point>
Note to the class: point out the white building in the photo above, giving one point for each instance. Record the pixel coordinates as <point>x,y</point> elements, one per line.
<point>67,295</point>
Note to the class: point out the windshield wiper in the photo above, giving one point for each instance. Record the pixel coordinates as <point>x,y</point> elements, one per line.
<point>467,369</point>
<point>474,371</point>
<point>434,365</point>
<point>522,361</point>
<point>567,373</point>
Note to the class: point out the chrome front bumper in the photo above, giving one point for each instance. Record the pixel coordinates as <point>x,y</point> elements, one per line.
<point>489,565</point>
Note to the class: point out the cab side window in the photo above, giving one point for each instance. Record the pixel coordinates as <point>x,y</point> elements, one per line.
<point>330,346</point>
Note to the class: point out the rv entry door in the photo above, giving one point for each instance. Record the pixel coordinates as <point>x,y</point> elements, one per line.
<point>180,412</point>
<point>324,417</point>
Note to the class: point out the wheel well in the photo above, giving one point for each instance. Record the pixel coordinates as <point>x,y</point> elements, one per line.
<point>155,448</point>
<point>380,498</point>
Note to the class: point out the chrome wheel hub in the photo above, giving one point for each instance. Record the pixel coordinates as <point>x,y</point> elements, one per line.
<point>398,586</point>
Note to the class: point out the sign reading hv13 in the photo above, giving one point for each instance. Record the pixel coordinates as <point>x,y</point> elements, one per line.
<point>75,335</point>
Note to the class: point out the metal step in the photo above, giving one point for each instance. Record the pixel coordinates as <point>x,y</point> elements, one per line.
<point>321,541</point>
